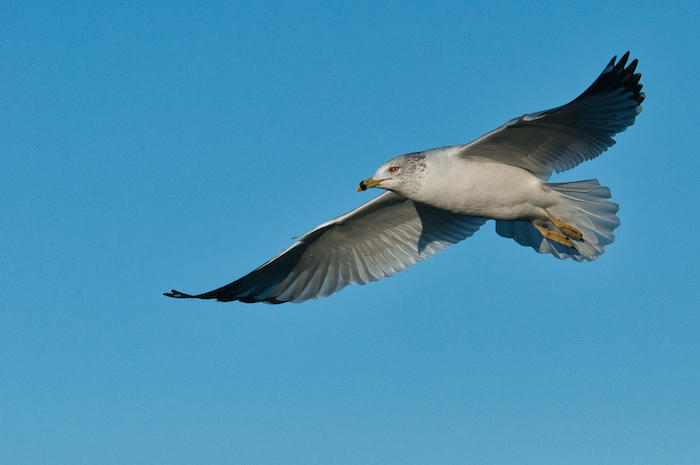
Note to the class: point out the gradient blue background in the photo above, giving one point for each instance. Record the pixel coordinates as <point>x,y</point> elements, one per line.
<point>151,146</point>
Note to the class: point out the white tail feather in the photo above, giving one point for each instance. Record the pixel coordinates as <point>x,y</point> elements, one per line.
<point>585,206</point>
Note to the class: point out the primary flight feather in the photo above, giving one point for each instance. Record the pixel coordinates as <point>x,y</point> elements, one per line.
<point>441,196</point>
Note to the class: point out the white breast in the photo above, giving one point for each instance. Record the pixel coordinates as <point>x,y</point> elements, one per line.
<point>487,190</point>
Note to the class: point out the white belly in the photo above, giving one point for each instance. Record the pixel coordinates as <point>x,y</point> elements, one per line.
<point>487,190</point>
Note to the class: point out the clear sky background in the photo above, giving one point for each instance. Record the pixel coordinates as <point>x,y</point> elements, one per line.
<point>146,146</point>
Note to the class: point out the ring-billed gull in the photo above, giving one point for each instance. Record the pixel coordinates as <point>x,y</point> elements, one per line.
<point>441,196</point>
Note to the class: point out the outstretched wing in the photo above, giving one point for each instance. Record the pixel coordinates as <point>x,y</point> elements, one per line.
<point>376,240</point>
<point>563,137</point>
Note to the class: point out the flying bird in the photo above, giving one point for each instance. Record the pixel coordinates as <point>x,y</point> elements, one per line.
<point>439,197</point>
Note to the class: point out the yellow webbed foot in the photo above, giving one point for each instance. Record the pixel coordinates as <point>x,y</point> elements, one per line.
<point>565,228</point>
<point>555,236</point>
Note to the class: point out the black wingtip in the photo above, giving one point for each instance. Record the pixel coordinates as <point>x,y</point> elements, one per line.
<point>617,67</point>
<point>618,75</point>
<point>177,295</point>
<point>624,59</point>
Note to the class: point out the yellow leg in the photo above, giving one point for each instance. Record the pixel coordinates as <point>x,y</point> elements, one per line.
<point>556,236</point>
<point>565,228</point>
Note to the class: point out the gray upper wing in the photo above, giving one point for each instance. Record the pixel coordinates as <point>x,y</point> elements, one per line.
<point>563,137</point>
<point>376,240</point>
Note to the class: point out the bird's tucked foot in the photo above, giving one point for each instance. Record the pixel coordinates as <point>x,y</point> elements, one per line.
<point>570,231</point>
<point>555,236</point>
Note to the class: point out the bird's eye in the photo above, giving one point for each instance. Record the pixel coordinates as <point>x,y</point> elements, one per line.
<point>393,169</point>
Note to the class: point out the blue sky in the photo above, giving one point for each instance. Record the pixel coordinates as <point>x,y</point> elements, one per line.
<point>148,146</point>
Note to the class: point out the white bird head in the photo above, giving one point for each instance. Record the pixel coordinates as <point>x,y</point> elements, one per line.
<point>400,174</point>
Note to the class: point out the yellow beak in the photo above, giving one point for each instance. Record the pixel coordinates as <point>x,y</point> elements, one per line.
<point>367,183</point>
